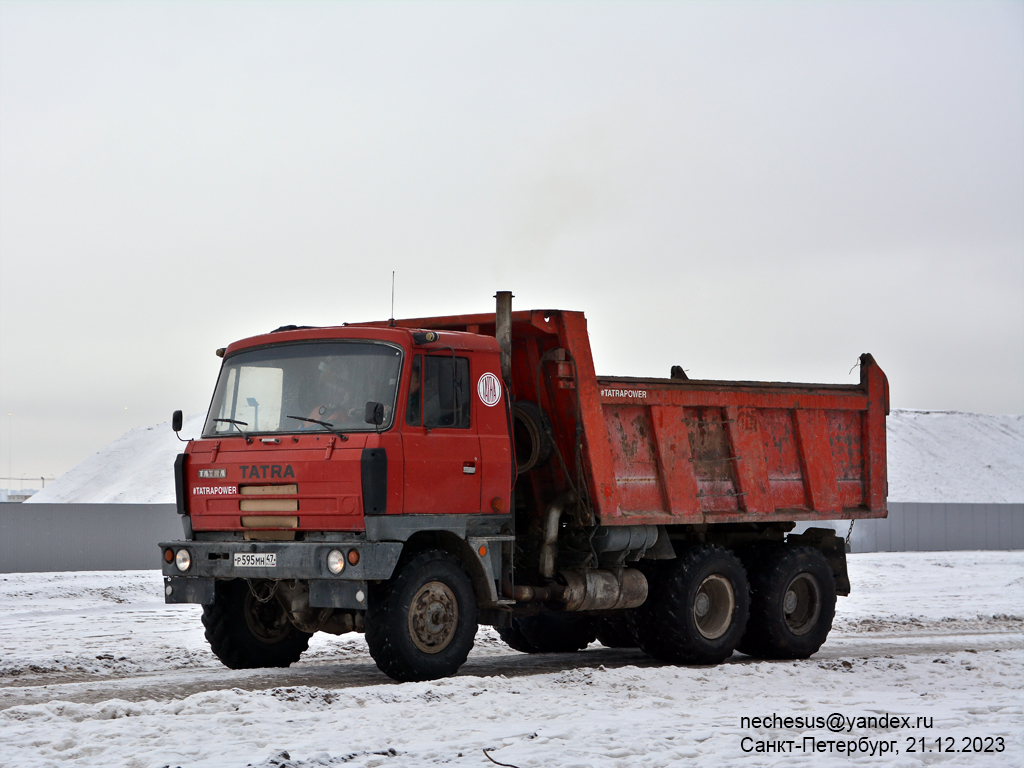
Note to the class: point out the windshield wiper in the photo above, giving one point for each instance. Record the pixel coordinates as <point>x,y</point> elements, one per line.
<point>325,424</point>
<point>235,424</point>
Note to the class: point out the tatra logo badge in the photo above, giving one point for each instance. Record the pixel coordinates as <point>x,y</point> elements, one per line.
<point>489,389</point>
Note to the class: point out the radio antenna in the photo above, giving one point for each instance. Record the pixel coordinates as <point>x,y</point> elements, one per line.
<point>392,324</point>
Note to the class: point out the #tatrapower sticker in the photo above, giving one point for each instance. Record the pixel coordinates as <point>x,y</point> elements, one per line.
<point>489,389</point>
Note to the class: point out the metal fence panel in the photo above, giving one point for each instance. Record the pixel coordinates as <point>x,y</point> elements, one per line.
<point>921,527</point>
<point>115,537</point>
<point>84,537</point>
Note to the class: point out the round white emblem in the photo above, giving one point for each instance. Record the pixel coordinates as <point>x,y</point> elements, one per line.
<point>489,389</point>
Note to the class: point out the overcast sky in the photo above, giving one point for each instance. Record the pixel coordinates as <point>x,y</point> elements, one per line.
<point>751,190</point>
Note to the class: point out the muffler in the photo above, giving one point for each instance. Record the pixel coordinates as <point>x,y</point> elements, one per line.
<point>602,590</point>
<point>596,590</point>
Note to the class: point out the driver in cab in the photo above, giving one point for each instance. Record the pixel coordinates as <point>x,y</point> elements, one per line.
<point>336,398</point>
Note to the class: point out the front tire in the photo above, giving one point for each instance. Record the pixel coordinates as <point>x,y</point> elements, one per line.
<point>793,602</point>
<point>246,631</point>
<point>421,624</point>
<point>697,609</point>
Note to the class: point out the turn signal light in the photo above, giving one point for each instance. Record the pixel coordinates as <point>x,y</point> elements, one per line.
<point>168,555</point>
<point>353,556</point>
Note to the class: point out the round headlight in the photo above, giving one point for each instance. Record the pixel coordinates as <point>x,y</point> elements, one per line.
<point>335,561</point>
<point>183,560</point>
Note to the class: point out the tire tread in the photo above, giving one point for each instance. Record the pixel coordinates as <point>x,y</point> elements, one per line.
<point>384,624</point>
<point>767,636</point>
<point>234,645</point>
<point>663,626</point>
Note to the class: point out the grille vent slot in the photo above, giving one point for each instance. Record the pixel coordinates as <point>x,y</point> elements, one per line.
<point>291,489</point>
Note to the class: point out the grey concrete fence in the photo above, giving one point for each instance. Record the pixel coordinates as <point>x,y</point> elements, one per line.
<point>917,527</point>
<point>115,537</point>
<point>84,537</point>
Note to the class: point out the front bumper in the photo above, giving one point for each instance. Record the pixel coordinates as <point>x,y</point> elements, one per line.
<point>212,560</point>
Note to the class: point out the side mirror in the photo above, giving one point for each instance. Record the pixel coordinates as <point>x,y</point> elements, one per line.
<point>374,413</point>
<point>176,421</point>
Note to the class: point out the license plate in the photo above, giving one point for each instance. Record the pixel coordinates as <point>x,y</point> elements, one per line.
<point>255,560</point>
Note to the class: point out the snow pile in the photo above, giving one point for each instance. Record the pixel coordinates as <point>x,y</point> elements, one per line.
<point>96,671</point>
<point>934,456</point>
<point>137,468</point>
<point>955,458</point>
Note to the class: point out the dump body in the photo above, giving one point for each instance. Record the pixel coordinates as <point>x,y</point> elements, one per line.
<point>711,452</point>
<point>667,451</point>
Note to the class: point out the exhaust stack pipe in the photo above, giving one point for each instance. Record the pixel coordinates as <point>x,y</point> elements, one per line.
<point>503,332</point>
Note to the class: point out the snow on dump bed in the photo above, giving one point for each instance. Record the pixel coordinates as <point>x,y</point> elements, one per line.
<point>96,671</point>
<point>934,456</point>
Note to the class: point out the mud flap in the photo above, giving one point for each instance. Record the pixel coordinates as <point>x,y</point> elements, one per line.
<point>188,589</point>
<point>495,563</point>
<point>832,547</point>
<point>350,595</point>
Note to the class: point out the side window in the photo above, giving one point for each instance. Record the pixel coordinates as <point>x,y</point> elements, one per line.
<point>414,411</point>
<point>446,391</point>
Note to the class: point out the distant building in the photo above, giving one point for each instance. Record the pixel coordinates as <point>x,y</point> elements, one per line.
<point>16,496</point>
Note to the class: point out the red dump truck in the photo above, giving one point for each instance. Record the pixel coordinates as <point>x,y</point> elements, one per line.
<point>412,479</point>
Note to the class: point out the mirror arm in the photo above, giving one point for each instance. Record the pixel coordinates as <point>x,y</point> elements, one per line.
<point>176,419</point>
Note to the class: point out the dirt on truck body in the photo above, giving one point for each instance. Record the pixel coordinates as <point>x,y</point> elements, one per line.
<point>412,479</point>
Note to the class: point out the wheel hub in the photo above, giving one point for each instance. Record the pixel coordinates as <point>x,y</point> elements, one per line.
<point>713,606</point>
<point>701,605</point>
<point>433,617</point>
<point>789,603</point>
<point>264,617</point>
<point>802,604</point>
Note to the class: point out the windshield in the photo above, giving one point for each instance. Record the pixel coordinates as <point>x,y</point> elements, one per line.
<point>327,382</point>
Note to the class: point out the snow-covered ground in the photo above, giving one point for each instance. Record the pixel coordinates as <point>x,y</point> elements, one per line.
<point>96,671</point>
<point>934,456</point>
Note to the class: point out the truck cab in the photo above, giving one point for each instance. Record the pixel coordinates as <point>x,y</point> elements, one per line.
<point>327,456</point>
<point>311,432</point>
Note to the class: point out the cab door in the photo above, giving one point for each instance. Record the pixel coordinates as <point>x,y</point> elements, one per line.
<point>439,437</point>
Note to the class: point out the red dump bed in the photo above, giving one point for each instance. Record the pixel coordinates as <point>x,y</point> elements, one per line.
<point>670,451</point>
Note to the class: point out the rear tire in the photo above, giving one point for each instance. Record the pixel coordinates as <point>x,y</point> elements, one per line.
<point>615,633</point>
<point>514,638</point>
<point>421,624</point>
<point>245,633</point>
<point>756,559</point>
<point>697,608</point>
<point>793,603</point>
<point>550,633</point>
